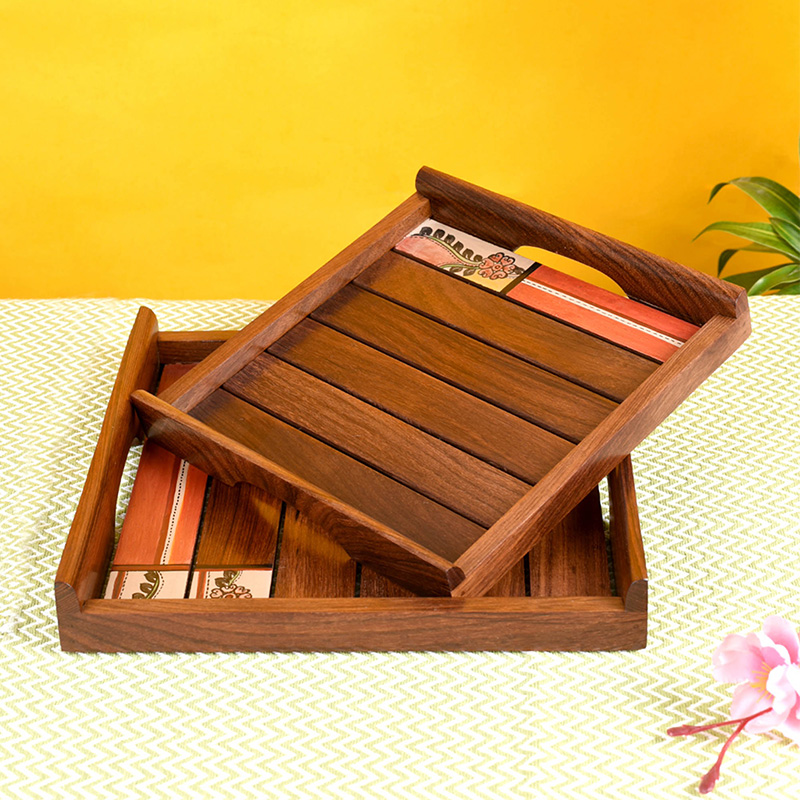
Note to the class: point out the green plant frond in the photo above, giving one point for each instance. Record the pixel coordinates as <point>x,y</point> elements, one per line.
<point>773,197</point>
<point>793,289</point>
<point>759,233</point>
<point>724,257</point>
<point>789,273</point>
<point>747,279</point>
<point>788,231</point>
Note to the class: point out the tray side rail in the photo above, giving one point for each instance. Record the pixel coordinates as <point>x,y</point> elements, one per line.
<point>81,570</point>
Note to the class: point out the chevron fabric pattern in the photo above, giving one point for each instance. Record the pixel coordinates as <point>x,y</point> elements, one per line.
<point>718,489</point>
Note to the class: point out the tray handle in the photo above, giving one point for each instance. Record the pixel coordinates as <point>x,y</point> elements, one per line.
<point>686,293</point>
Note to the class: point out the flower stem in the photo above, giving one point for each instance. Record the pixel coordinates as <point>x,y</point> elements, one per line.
<point>688,730</point>
<point>710,779</point>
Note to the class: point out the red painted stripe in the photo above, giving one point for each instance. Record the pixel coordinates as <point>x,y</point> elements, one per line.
<point>189,519</point>
<point>613,331</point>
<point>623,306</point>
<point>142,538</point>
<point>151,500</point>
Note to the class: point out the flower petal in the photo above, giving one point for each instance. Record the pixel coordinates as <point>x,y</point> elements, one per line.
<point>736,659</point>
<point>748,700</point>
<point>779,685</point>
<point>791,725</point>
<point>781,632</point>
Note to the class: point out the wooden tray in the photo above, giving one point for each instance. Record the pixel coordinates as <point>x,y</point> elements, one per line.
<point>559,597</point>
<point>333,398</point>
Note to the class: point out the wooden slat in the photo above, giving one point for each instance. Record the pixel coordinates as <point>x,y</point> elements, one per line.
<point>688,294</point>
<point>239,350</point>
<point>600,298</point>
<point>571,560</point>
<point>240,527</point>
<point>558,348</point>
<point>426,464</point>
<point>619,331</point>
<point>160,525</point>
<point>371,492</point>
<point>311,563</point>
<point>471,424</point>
<point>497,377</point>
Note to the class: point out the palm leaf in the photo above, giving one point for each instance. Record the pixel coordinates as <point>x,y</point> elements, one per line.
<point>793,289</point>
<point>775,199</point>
<point>760,233</point>
<point>747,279</point>
<point>788,231</point>
<point>789,273</point>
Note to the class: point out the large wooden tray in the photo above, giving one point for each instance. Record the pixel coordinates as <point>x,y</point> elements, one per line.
<point>557,598</point>
<point>434,429</point>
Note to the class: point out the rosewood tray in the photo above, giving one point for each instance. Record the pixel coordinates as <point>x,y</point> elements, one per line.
<point>437,429</point>
<point>263,577</point>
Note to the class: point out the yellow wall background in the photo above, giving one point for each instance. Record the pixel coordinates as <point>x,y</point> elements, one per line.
<point>214,149</point>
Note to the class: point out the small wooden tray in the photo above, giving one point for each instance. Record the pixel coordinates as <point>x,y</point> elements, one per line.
<point>557,598</point>
<point>332,400</point>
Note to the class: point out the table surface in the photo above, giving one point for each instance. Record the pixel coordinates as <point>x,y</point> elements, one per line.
<point>718,485</point>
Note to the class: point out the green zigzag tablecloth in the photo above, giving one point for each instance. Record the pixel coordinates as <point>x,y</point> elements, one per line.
<point>718,488</point>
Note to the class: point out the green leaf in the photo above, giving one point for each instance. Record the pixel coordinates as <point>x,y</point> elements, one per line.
<point>775,199</point>
<point>789,273</point>
<point>760,233</point>
<point>788,231</point>
<point>747,279</point>
<point>724,257</point>
<point>793,289</point>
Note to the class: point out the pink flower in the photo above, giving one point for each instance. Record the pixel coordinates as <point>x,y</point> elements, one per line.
<point>766,666</point>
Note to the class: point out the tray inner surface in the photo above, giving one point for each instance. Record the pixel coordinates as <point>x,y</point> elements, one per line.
<point>428,403</point>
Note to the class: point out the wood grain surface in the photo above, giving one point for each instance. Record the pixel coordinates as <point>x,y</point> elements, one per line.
<point>311,563</point>
<point>573,354</point>
<point>520,448</point>
<point>571,559</point>
<point>630,569</point>
<point>360,623</point>
<point>517,386</point>
<point>404,453</point>
<point>393,622</point>
<point>240,527</point>
<point>385,500</point>
<point>84,562</point>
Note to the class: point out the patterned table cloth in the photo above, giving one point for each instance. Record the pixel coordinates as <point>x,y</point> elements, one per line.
<point>718,487</point>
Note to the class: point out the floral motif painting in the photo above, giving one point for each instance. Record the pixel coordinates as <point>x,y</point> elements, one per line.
<point>464,255</point>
